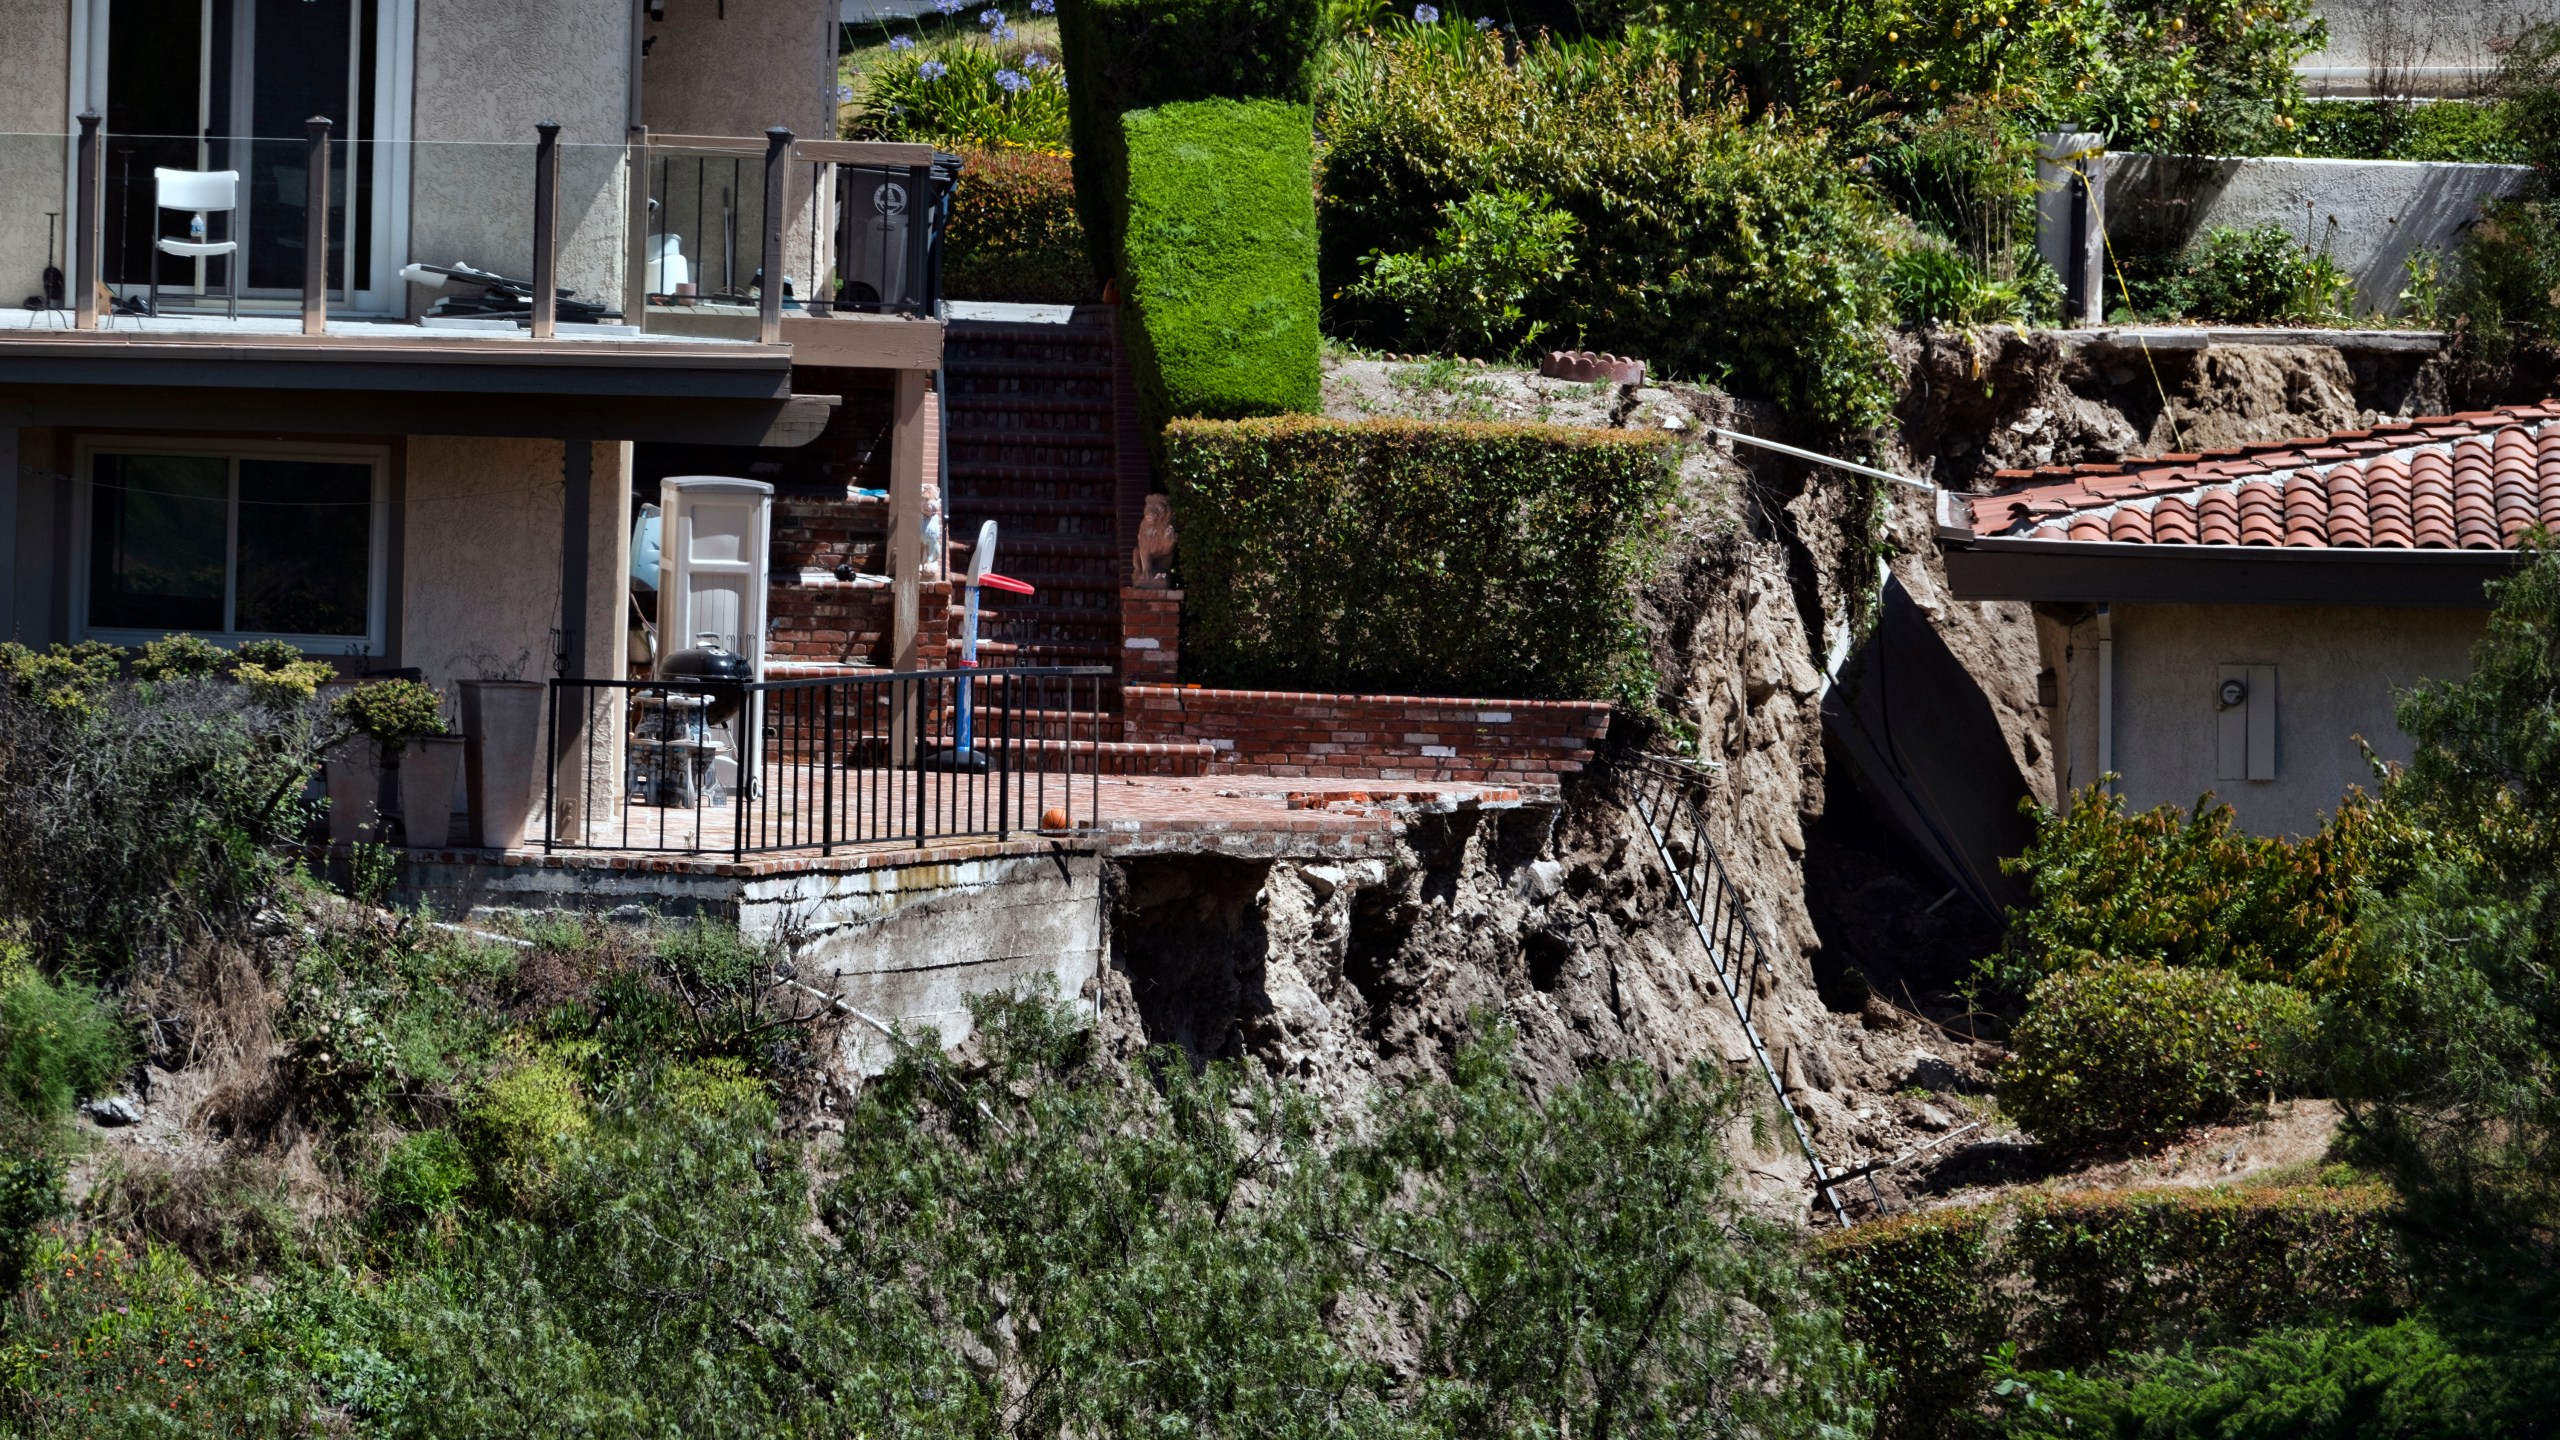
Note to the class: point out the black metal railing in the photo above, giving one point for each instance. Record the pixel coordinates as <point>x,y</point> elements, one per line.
<point>706,767</point>
<point>1665,792</point>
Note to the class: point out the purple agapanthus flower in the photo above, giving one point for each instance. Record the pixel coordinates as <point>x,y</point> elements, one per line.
<point>902,42</point>
<point>1012,81</point>
<point>844,94</point>
<point>1426,14</point>
<point>1001,32</point>
<point>1035,61</point>
<point>1044,7</point>
<point>991,17</point>
<point>932,70</point>
<point>1484,22</point>
<point>950,7</point>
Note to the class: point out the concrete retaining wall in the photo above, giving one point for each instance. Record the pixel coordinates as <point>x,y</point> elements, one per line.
<point>2369,216</point>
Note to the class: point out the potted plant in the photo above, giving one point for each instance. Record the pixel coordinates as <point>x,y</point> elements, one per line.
<point>391,714</point>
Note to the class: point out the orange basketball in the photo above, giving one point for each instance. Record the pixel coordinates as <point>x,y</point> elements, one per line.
<point>1053,818</point>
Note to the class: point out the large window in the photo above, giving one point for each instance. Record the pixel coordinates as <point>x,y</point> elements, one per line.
<point>234,544</point>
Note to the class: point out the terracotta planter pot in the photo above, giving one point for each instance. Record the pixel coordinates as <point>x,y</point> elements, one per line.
<point>501,757</point>
<point>429,769</point>
<point>355,791</point>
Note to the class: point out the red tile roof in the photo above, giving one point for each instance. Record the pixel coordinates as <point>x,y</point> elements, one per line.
<point>2474,481</point>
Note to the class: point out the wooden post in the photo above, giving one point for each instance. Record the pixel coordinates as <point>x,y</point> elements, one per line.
<point>906,518</point>
<point>546,238</point>
<point>777,180</point>
<point>635,258</point>
<point>315,227</point>
<point>89,226</point>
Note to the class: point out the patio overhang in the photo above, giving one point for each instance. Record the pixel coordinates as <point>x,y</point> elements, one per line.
<point>408,380</point>
<point>2100,572</point>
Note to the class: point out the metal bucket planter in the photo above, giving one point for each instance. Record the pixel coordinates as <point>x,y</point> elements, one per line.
<point>354,774</point>
<point>429,769</point>
<point>502,757</point>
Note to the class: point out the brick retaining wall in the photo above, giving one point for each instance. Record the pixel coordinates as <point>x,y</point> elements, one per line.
<point>1386,737</point>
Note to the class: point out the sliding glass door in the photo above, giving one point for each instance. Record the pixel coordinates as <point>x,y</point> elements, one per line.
<point>229,85</point>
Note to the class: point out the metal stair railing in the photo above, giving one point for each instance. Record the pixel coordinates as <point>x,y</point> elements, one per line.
<point>1666,802</point>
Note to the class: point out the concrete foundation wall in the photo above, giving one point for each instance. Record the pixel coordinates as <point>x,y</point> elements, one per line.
<point>2370,216</point>
<point>2337,672</point>
<point>906,945</point>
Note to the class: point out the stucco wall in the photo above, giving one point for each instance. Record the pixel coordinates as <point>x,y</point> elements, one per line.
<point>35,59</point>
<point>768,63</point>
<point>487,71</point>
<point>2337,670</point>
<point>2369,216</point>
<point>480,562</point>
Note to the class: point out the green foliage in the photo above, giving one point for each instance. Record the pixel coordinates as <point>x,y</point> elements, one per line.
<point>1742,254</point>
<point>1490,268</point>
<point>2446,131</point>
<point>1950,1301</point>
<point>1405,556</point>
<point>390,1020</point>
<point>1014,233</point>
<point>2118,1052</point>
<point>1217,265</point>
<point>1125,55</point>
<point>392,712</point>
<point>123,1344</point>
<point>135,816</point>
<point>1668,1312</point>
<point>2528,86</point>
<point>2441,1038</point>
<point>971,92</point>
<point>1912,1294</point>
<point>426,1175</point>
<point>523,1124</point>
<point>2243,277</point>
<point>2164,888</point>
<point>2413,1380</point>
<point>1935,284</point>
<point>59,1042</point>
<point>30,1195</point>
<point>181,657</point>
<point>2504,279</point>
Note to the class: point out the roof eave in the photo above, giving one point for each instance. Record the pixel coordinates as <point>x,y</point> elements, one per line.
<point>2116,572</point>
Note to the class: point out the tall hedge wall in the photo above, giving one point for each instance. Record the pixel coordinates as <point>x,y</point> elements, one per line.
<point>2070,1278</point>
<point>1218,262</point>
<point>1124,55</point>
<point>1014,233</point>
<point>1402,556</point>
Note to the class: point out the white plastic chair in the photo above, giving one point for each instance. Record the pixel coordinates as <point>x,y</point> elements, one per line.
<point>203,192</point>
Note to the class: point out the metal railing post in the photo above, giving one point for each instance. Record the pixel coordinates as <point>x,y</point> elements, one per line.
<point>777,180</point>
<point>546,241</point>
<point>89,226</point>
<point>551,772</point>
<point>315,227</point>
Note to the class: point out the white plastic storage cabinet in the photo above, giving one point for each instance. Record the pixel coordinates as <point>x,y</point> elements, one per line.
<point>715,551</point>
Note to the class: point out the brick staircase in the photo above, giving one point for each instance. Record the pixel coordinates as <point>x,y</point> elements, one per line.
<point>1035,414</point>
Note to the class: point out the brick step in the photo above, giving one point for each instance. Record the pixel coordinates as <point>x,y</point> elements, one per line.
<point>1044,449</point>
<point>965,367</point>
<point>971,507</point>
<point>1028,404</point>
<point>995,653</point>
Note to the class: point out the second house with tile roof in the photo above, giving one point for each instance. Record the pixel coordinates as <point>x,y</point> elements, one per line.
<point>2234,621</point>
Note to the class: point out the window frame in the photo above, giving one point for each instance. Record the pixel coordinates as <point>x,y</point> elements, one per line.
<point>377,458</point>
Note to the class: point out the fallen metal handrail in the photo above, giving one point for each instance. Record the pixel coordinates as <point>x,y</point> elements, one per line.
<point>1666,804</point>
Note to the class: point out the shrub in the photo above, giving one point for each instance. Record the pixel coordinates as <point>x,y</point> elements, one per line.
<point>1396,555</point>
<point>523,1125</point>
<point>975,92</point>
<point>1742,254</point>
<point>2413,1380</point>
<point>425,1175</point>
<point>2448,131</point>
<point>1218,262</point>
<point>1126,55</point>
<point>134,817</point>
<point>2166,888</point>
<point>1014,234</point>
<point>1935,284</point>
<point>30,1195</point>
<point>1490,269</point>
<point>392,713</point>
<point>2049,1280</point>
<point>59,1043</point>
<point>2529,85</point>
<point>2128,1052</point>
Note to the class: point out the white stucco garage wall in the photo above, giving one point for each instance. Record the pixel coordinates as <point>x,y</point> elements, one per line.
<point>2338,671</point>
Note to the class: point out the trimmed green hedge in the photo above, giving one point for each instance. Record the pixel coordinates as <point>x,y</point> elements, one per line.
<point>2134,1052</point>
<point>2070,1279</point>
<point>1218,268</point>
<point>1124,55</point>
<point>1397,555</point>
<point>1014,233</point>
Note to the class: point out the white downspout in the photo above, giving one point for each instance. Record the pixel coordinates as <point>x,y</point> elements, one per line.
<point>2106,700</point>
